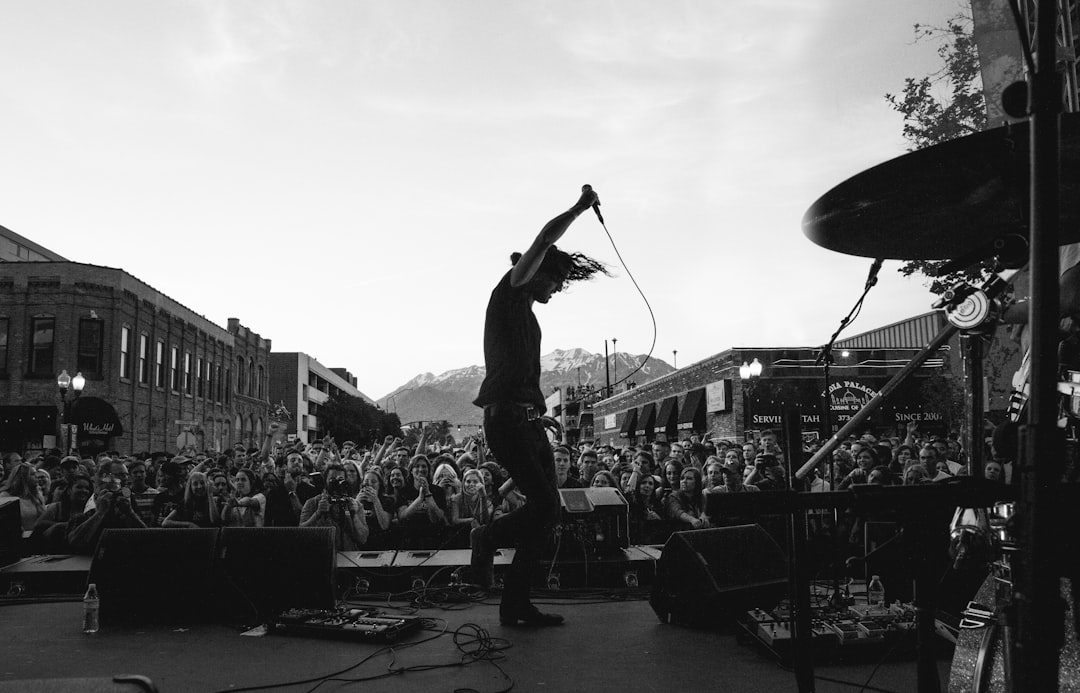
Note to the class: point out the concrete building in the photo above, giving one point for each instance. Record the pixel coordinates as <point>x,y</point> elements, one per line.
<point>157,373</point>
<point>303,384</point>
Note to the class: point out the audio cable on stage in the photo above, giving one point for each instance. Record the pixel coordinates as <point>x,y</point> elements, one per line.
<point>652,316</point>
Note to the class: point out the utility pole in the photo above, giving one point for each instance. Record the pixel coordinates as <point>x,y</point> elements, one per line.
<point>607,371</point>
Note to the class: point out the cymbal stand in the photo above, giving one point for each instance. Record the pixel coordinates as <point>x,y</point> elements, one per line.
<point>955,302</point>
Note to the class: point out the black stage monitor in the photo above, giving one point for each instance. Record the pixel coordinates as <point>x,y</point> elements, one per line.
<point>263,571</point>
<point>155,575</point>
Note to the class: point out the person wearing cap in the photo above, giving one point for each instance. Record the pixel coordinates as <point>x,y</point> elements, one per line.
<point>513,405</point>
<point>69,468</point>
<point>733,481</point>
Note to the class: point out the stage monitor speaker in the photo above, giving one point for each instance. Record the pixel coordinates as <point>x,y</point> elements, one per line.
<point>162,576</point>
<point>598,517</point>
<point>706,577</point>
<point>265,570</point>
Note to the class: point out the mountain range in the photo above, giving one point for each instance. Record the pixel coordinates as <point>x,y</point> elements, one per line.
<point>449,396</point>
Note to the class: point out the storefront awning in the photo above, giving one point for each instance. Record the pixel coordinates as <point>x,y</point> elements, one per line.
<point>95,418</point>
<point>628,423</point>
<point>646,419</point>
<point>692,415</point>
<point>668,418</point>
<point>28,421</point>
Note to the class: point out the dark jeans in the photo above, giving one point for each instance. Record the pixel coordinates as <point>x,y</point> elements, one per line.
<point>521,447</point>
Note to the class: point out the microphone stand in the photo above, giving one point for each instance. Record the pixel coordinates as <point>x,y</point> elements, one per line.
<point>825,360</point>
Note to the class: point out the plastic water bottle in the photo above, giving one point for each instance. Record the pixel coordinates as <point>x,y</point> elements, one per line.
<point>91,610</point>
<point>875,592</point>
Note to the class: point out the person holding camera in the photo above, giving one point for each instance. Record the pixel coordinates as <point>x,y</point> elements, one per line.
<point>334,507</point>
<point>112,509</point>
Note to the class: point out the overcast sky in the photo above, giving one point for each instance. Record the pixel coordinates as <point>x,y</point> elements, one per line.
<point>349,178</point>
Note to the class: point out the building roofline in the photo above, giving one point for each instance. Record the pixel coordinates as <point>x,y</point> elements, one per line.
<point>36,247</point>
<point>31,267</point>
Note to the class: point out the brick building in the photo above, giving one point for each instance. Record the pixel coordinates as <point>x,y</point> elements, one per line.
<point>154,368</point>
<point>711,399</point>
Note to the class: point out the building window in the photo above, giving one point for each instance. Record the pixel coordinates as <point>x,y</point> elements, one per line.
<point>125,352</point>
<point>144,359</point>
<point>251,378</point>
<point>187,372</point>
<point>4,324</point>
<point>91,339</point>
<point>159,364</point>
<point>228,386</point>
<point>210,381</point>
<point>174,369</point>
<point>259,383</point>
<point>239,376</point>
<point>199,389</point>
<point>217,380</point>
<point>42,346</point>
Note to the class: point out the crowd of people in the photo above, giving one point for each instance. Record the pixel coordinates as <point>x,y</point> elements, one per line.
<point>396,496</point>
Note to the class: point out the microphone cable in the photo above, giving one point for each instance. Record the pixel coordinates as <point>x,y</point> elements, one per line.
<point>630,274</point>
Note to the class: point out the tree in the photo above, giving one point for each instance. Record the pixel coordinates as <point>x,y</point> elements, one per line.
<point>941,107</point>
<point>345,417</point>
<point>436,434</point>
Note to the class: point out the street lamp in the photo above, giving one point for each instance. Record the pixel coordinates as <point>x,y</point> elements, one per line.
<point>749,373</point>
<point>76,384</point>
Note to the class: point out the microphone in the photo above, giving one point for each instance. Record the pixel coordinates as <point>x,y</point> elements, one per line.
<point>871,279</point>
<point>596,205</point>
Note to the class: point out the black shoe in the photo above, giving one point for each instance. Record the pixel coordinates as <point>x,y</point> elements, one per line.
<point>527,615</point>
<point>483,557</point>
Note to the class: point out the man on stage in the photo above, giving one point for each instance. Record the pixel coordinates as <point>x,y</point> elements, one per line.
<point>513,404</point>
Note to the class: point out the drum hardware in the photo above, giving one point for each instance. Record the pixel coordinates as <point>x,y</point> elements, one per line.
<point>969,536</point>
<point>976,616</point>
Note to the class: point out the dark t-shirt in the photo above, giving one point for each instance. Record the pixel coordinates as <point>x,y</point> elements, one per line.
<point>511,349</point>
<point>279,508</point>
<point>197,512</point>
<point>164,503</point>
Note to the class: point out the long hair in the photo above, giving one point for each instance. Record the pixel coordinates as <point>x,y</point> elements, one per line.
<point>23,484</point>
<point>696,499</point>
<point>566,267</point>
<point>189,493</point>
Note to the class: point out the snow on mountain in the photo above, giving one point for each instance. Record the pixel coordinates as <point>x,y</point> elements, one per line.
<point>449,395</point>
<point>561,361</point>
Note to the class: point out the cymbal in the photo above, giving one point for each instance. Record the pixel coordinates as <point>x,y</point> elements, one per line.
<point>945,201</point>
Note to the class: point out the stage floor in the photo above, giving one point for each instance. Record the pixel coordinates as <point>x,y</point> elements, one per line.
<point>606,645</point>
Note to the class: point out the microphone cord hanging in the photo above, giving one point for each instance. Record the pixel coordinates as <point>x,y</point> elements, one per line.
<point>643,298</point>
